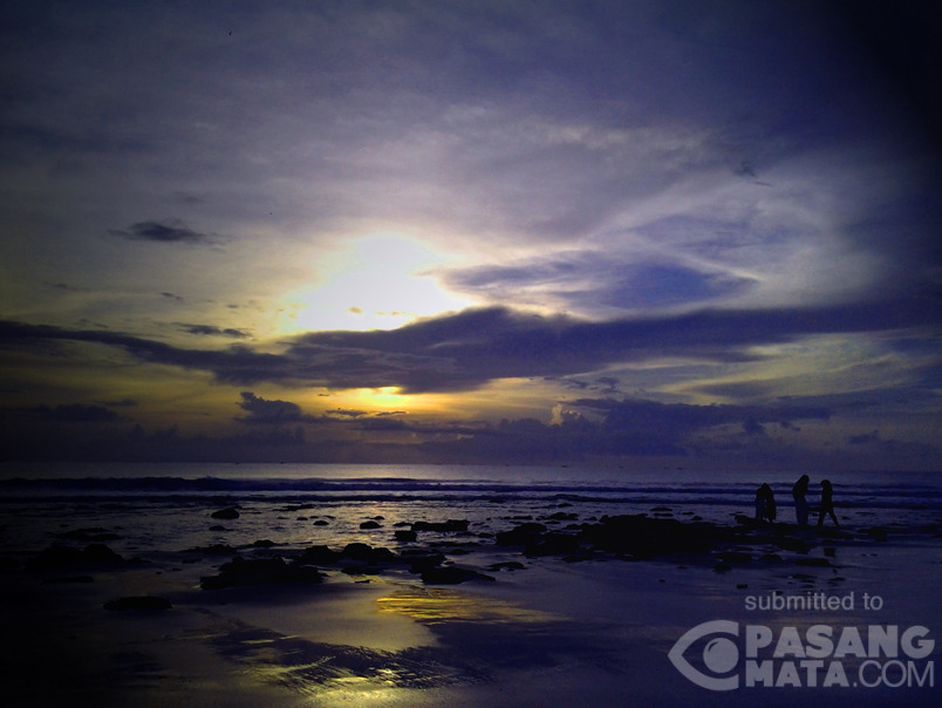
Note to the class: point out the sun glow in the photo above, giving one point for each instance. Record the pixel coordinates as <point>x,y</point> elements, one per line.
<point>380,281</point>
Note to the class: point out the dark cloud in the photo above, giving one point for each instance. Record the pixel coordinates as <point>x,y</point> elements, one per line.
<point>260,410</point>
<point>162,232</point>
<point>214,331</point>
<point>864,438</point>
<point>468,349</point>
<point>76,413</point>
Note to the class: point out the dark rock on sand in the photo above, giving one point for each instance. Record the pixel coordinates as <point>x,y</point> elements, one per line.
<point>95,533</point>
<point>877,533</point>
<point>452,575</point>
<point>218,527</point>
<point>226,514</point>
<point>506,565</point>
<point>420,560</point>
<point>263,571</point>
<point>94,555</point>
<point>141,603</point>
<point>406,536</point>
<point>521,535</point>
<point>562,516</point>
<point>321,522</point>
<point>264,543</point>
<point>450,526</point>
<point>370,525</point>
<point>367,554</point>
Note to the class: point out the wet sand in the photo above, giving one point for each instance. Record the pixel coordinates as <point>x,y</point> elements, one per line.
<point>591,625</point>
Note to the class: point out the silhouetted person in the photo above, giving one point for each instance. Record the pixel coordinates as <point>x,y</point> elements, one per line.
<point>765,503</point>
<point>827,503</point>
<point>799,492</point>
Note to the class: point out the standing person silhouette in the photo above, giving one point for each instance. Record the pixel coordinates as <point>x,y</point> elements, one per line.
<point>799,492</point>
<point>827,503</point>
<point>765,503</point>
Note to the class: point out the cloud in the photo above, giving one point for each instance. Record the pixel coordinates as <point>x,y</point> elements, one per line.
<point>76,413</point>
<point>260,410</point>
<point>864,438</point>
<point>214,331</point>
<point>162,232</point>
<point>587,281</point>
<point>466,350</point>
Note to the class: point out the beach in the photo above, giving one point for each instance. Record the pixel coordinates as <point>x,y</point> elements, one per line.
<point>523,595</point>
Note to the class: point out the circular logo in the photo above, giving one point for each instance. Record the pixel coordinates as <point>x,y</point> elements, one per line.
<point>720,655</point>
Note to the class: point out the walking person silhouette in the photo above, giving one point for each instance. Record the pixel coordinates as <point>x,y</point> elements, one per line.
<point>765,503</point>
<point>827,503</point>
<point>799,492</point>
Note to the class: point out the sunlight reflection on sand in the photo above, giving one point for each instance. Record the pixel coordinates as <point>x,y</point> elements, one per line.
<point>433,605</point>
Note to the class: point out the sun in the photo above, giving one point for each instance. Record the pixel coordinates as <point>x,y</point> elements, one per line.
<point>378,281</point>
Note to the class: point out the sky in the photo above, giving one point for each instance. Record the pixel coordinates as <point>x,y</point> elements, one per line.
<point>679,233</point>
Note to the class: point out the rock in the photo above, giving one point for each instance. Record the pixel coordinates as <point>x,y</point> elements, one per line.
<point>370,525</point>
<point>521,535</point>
<point>877,533</point>
<point>562,516</point>
<point>771,558</point>
<point>94,533</point>
<point>641,537</point>
<point>450,526</point>
<point>420,560</point>
<point>260,571</point>
<point>144,603</point>
<point>406,536</point>
<point>225,514</point>
<point>218,527</point>
<point>321,522</point>
<point>94,555</point>
<point>402,525</point>
<point>506,565</point>
<point>70,579</point>
<point>367,554</point>
<point>264,543</point>
<point>452,575</point>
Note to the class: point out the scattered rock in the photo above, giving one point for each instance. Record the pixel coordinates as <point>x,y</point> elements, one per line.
<point>260,571</point>
<point>94,555</point>
<point>225,514</point>
<point>321,522</point>
<point>370,525</point>
<point>522,535</point>
<point>264,543</point>
<point>562,516</point>
<point>144,603</point>
<point>218,527</point>
<point>406,536</point>
<point>506,565</point>
<point>95,533</point>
